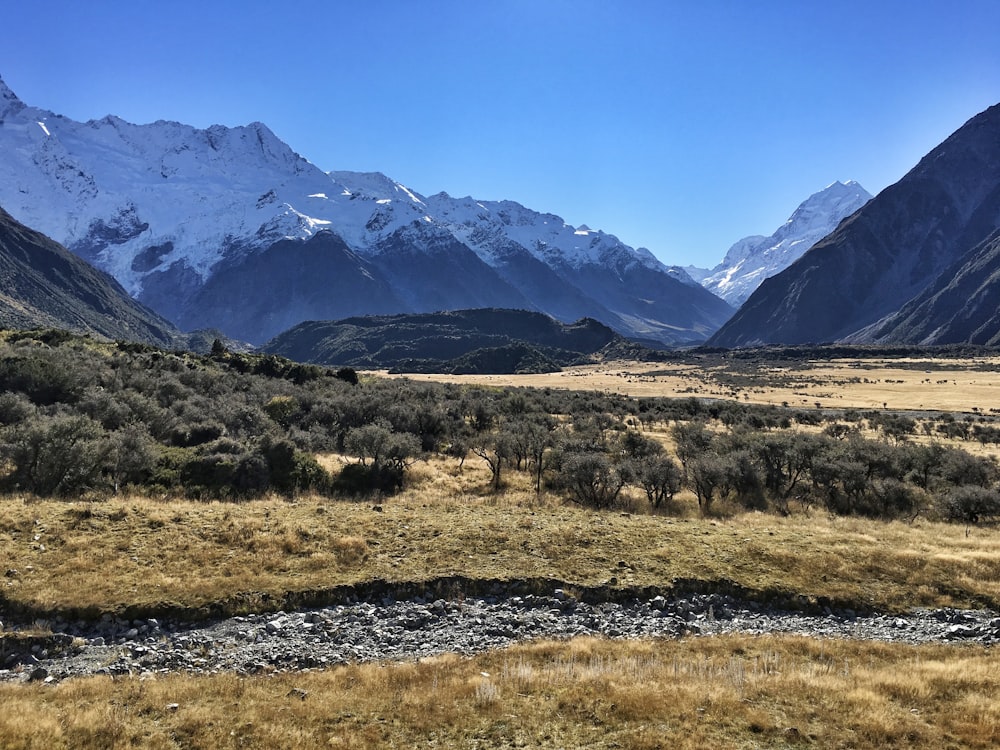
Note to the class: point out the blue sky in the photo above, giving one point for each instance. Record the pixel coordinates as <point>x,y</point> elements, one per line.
<point>678,126</point>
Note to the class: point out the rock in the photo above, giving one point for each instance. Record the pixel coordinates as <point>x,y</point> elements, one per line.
<point>961,631</point>
<point>389,629</point>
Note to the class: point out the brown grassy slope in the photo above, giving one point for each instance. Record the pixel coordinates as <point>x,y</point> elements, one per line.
<point>729,691</point>
<point>140,552</point>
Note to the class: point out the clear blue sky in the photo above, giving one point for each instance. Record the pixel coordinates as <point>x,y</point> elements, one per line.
<point>678,126</point>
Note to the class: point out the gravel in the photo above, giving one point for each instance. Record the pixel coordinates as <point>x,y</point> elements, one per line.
<point>415,628</point>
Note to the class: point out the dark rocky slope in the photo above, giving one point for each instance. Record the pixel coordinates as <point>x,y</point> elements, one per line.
<point>43,285</point>
<point>482,340</point>
<point>961,307</point>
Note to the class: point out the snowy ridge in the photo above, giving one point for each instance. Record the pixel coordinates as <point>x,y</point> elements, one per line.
<point>205,190</point>
<point>486,225</point>
<point>755,258</point>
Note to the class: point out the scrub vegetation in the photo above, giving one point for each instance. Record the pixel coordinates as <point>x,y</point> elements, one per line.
<point>141,481</point>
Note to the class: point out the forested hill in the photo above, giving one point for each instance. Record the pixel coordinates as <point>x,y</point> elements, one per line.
<point>484,340</point>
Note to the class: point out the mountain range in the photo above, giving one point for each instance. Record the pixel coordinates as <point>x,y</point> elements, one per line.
<point>916,264</point>
<point>229,228</point>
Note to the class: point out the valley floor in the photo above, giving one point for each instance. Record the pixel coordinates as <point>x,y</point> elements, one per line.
<point>946,384</point>
<point>142,622</point>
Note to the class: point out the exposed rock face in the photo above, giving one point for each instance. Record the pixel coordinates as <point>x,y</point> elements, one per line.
<point>886,254</point>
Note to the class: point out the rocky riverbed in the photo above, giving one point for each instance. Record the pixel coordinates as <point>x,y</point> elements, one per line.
<point>422,626</point>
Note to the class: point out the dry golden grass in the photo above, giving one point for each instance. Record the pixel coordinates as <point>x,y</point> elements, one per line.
<point>730,691</point>
<point>106,556</point>
<point>931,384</point>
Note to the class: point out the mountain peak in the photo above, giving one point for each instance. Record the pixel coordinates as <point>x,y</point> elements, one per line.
<point>228,226</point>
<point>9,103</point>
<point>753,259</point>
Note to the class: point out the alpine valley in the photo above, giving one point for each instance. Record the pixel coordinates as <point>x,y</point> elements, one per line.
<point>229,228</point>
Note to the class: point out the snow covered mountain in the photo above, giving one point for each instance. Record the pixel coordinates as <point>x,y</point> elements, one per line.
<point>755,258</point>
<point>230,228</point>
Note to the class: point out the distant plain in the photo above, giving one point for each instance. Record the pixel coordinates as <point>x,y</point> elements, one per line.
<point>931,384</point>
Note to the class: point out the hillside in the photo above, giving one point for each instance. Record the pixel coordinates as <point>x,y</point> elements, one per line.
<point>42,285</point>
<point>481,340</point>
<point>960,307</point>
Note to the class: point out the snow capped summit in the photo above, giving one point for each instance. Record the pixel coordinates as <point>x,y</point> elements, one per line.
<point>755,258</point>
<point>169,209</point>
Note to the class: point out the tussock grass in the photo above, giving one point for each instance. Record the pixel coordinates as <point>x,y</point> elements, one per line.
<point>140,552</point>
<point>731,691</point>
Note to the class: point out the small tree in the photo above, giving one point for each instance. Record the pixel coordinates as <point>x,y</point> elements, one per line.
<point>693,439</point>
<point>384,457</point>
<point>368,442</point>
<point>495,449</point>
<point>708,474</point>
<point>592,480</point>
<point>659,477</point>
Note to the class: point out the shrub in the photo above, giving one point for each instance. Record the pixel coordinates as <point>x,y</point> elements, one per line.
<point>347,374</point>
<point>972,504</point>
<point>660,478</point>
<point>14,408</point>
<point>292,471</point>
<point>60,455</point>
<point>358,480</point>
<point>132,457</point>
<point>591,479</point>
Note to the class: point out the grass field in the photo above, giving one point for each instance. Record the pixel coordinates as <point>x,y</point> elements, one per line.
<point>951,385</point>
<point>106,556</point>
<point>100,555</point>
<point>725,692</point>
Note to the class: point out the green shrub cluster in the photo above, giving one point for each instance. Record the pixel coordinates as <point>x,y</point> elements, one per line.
<point>79,416</point>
